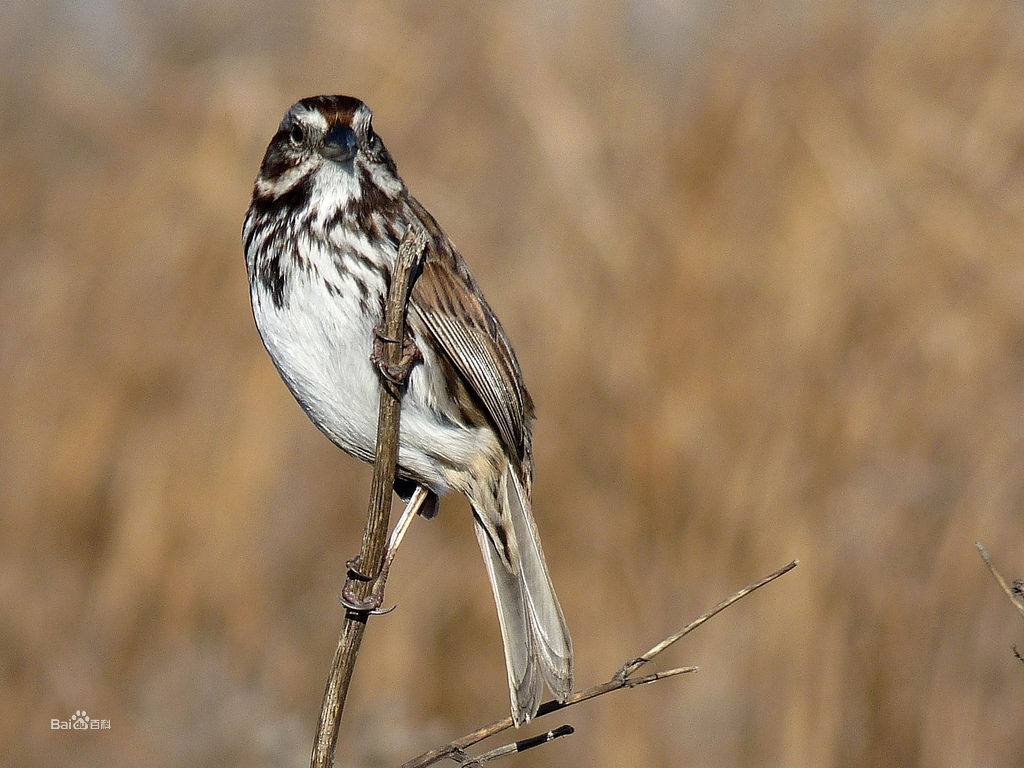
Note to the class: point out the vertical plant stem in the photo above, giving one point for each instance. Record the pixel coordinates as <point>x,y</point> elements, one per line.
<point>371,555</point>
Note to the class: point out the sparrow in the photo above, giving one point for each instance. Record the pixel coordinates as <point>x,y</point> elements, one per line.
<point>321,236</point>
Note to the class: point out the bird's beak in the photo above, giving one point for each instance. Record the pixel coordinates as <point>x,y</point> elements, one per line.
<point>339,144</point>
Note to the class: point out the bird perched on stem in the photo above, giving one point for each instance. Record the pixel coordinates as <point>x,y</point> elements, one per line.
<point>321,236</point>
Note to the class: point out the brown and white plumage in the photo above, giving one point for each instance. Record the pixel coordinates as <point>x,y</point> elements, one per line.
<point>321,236</point>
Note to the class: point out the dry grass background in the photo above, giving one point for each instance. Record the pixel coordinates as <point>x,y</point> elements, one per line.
<point>764,267</point>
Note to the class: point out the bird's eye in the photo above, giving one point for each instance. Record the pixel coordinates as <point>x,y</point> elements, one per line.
<point>296,135</point>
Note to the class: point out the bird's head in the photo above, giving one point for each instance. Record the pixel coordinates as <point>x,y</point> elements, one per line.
<point>326,145</point>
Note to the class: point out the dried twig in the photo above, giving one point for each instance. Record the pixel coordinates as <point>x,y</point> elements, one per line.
<point>1016,592</point>
<point>365,569</point>
<point>466,761</point>
<point>623,678</point>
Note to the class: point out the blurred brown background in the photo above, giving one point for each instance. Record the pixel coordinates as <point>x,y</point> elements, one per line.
<point>764,270</point>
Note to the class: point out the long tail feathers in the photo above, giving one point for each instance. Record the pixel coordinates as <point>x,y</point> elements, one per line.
<point>538,648</point>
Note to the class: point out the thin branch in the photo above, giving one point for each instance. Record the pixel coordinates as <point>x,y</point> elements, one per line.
<point>365,569</point>
<point>639,661</point>
<point>620,680</point>
<point>514,748</point>
<point>1015,593</point>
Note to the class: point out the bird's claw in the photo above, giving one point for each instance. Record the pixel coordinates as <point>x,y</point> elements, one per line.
<point>395,373</point>
<point>371,604</point>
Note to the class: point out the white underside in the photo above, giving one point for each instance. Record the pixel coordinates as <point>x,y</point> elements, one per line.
<point>321,344</point>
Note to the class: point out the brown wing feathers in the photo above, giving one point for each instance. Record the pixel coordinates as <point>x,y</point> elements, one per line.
<point>454,311</point>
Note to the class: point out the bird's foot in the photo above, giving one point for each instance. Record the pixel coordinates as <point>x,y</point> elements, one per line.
<point>395,373</point>
<point>370,603</point>
<point>421,500</point>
